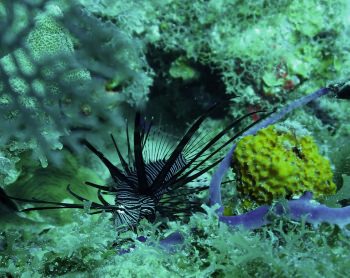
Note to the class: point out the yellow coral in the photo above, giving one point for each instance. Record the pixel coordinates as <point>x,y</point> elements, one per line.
<point>278,163</point>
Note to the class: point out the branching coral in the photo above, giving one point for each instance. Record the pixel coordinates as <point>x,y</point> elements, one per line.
<point>54,71</point>
<point>16,21</point>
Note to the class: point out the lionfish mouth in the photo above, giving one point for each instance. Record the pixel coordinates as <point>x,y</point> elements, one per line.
<point>154,178</point>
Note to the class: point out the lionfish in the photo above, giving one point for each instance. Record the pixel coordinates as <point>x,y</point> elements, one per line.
<point>153,183</point>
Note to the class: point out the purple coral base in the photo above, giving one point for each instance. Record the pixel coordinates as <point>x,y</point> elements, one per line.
<point>304,207</point>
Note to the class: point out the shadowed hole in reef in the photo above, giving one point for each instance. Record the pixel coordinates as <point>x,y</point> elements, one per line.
<point>177,100</point>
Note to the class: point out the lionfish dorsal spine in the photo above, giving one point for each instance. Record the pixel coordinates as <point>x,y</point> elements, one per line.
<point>139,160</point>
<point>179,148</point>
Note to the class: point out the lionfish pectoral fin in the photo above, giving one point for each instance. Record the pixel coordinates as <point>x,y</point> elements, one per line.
<point>102,187</point>
<point>82,199</point>
<point>121,158</point>
<point>187,177</point>
<point>57,205</point>
<point>102,200</point>
<point>114,171</point>
<point>75,195</point>
<point>211,143</point>
<point>48,208</point>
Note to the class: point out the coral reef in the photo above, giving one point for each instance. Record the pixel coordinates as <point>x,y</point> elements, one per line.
<point>75,69</point>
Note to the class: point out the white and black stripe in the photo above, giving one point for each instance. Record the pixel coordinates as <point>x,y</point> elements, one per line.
<point>134,206</point>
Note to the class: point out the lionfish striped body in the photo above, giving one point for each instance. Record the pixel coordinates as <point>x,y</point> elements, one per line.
<point>134,206</point>
<point>154,182</point>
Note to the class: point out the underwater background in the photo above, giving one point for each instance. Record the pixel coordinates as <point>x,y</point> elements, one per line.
<point>81,70</point>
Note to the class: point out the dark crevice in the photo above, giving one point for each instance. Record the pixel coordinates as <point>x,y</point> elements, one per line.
<point>179,101</point>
